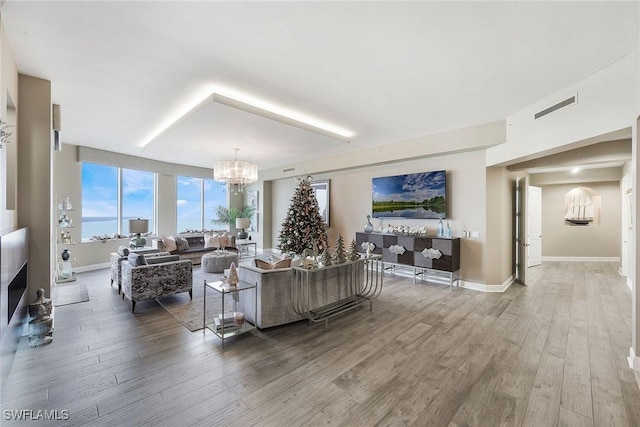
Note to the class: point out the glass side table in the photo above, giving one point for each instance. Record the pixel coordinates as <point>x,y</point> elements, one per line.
<point>243,245</point>
<point>230,323</point>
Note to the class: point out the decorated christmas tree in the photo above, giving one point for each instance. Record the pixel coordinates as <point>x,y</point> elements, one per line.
<point>352,253</point>
<point>325,259</point>
<point>303,224</point>
<point>339,255</point>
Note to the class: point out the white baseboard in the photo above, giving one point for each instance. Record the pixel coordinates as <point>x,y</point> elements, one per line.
<point>629,283</point>
<point>92,267</point>
<point>487,288</point>
<point>634,361</point>
<point>580,259</point>
<point>443,280</point>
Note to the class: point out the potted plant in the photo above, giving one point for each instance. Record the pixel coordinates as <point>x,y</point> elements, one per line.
<point>235,217</point>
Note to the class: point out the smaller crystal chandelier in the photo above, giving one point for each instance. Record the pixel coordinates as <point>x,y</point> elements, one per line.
<point>236,173</point>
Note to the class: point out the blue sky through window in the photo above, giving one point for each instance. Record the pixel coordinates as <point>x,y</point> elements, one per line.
<point>192,213</point>
<point>99,200</point>
<point>137,197</point>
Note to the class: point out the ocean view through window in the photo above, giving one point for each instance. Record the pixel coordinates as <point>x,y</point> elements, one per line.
<point>107,188</point>
<point>111,196</point>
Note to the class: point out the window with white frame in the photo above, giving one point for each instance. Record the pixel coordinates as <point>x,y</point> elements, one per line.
<point>111,196</point>
<point>197,199</point>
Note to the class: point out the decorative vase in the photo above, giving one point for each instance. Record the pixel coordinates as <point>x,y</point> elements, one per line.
<point>368,227</point>
<point>233,275</point>
<point>64,221</point>
<point>66,203</point>
<point>66,255</point>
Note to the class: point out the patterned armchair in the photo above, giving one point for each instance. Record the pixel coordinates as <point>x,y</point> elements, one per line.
<point>146,281</point>
<point>116,261</point>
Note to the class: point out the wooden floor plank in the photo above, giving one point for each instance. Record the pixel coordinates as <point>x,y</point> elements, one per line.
<point>550,353</point>
<point>544,402</point>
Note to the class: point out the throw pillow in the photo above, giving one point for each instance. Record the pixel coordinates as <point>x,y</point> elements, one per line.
<point>224,240</point>
<point>212,241</point>
<point>181,243</point>
<point>169,243</point>
<point>136,259</point>
<point>123,251</point>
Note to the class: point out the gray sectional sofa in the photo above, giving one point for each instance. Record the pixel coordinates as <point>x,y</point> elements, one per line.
<point>196,247</point>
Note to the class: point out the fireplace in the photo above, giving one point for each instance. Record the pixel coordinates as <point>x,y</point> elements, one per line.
<point>14,256</point>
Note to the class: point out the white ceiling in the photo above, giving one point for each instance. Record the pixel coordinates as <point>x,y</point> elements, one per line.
<point>387,71</point>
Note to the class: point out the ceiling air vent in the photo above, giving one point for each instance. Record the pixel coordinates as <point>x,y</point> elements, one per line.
<point>556,107</point>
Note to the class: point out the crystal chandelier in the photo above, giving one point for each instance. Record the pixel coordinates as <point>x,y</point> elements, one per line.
<point>236,173</point>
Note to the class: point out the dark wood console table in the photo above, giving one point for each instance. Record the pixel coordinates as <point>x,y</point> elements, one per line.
<point>407,251</point>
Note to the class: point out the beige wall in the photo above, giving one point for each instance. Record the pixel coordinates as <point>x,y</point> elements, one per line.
<point>9,154</point>
<point>600,240</point>
<point>500,240</point>
<point>67,183</point>
<point>350,202</point>
<point>35,174</point>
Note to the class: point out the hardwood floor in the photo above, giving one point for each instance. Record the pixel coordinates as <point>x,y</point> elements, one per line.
<point>551,353</point>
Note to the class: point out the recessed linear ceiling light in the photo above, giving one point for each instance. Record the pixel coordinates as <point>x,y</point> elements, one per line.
<point>254,106</point>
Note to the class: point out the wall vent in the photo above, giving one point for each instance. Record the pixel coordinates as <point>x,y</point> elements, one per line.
<point>556,107</point>
<point>288,170</point>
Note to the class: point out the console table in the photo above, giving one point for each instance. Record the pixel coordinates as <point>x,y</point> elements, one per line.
<point>322,293</point>
<point>425,255</point>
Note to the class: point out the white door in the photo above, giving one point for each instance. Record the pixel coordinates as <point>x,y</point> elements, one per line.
<point>625,257</point>
<point>520,226</point>
<point>534,226</point>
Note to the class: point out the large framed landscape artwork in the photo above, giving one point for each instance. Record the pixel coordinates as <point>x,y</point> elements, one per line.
<point>416,195</point>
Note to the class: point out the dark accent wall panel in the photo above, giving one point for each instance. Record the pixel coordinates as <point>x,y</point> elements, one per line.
<point>14,255</point>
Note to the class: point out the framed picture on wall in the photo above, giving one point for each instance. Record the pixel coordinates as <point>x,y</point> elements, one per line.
<point>252,200</point>
<point>322,188</point>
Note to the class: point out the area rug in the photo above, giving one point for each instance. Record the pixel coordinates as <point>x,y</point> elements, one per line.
<point>72,293</point>
<point>189,312</point>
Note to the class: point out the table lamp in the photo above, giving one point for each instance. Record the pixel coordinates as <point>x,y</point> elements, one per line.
<point>242,224</point>
<point>138,226</point>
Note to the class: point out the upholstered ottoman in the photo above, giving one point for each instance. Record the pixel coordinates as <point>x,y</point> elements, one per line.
<point>217,262</point>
